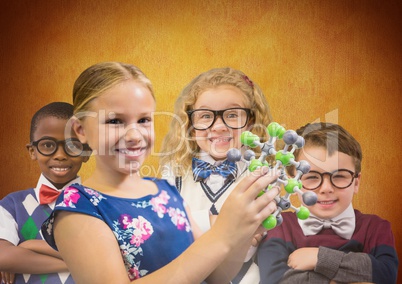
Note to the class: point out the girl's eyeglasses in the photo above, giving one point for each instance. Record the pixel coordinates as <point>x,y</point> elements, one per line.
<point>235,118</point>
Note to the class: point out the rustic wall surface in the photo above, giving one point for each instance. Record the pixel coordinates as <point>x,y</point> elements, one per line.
<point>337,61</point>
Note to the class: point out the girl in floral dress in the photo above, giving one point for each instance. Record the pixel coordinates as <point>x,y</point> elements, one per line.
<point>118,227</point>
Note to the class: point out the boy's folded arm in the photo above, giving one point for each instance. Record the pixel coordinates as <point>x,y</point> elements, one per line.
<point>344,267</point>
<point>18,259</point>
<point>379,267</point>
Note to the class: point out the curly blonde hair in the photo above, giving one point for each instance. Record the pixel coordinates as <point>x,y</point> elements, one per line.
<point>177,147</point>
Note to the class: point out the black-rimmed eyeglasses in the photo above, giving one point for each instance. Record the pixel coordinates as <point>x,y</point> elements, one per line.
<point>48,146</point>
<point>341,178</point>
<point>235,118</point>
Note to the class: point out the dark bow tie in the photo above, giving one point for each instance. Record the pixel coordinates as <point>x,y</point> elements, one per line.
<point>202,169</point>
<point>47,194</point>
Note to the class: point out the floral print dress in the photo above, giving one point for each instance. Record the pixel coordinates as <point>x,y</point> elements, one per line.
<point>151,231</point>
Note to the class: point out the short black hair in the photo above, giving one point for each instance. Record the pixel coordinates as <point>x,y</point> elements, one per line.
<point>60,110</point>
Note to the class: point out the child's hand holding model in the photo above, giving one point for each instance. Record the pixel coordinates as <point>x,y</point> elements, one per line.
<point>118,226</point>
<point>210,114</point>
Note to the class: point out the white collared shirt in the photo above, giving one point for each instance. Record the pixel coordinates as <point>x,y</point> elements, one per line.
<point>9,227</point>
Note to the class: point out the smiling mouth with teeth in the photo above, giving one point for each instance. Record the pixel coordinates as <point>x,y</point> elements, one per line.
<point>59,169</point>
<point>131,152</point>
<point>326,202</point>
<point>220,139</point>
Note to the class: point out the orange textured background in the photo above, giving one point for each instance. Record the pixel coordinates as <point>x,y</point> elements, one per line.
<point>337,61</point>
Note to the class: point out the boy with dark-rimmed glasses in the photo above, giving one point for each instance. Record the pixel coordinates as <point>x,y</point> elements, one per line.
<point>25,256</point>
<point>336,244</point>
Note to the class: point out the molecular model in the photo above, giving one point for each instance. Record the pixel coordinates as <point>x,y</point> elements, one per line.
<point>283,158</point>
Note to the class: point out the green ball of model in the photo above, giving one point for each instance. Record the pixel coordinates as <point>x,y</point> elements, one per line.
<point>254,164</point>
<point>269,223</point>
<point>285,158</point>
<point>303,213</point>
<point>247,138</point>
<point>276,130</point>
<point>291,184</point>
